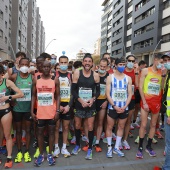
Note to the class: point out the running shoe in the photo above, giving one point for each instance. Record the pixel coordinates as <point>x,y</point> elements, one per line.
<point>158,134</point>
<point>19,157</point>
<point>137,140</point>
<point>50,159</point>
<point>114,136</point>
<point>105,140</point>
<point>84,138</point>
<point>98,148</point>
<point>157,168</point>
<point>139,154</point>
<point>69,136</point>
<point>27,157</point>
<point>131,127</point>
<point>3,150</point>
<point>118,152</point>
<point>35,143</point>
<point>136,125</point>
<point>65,152</point>
<point>94,141</point>
<point>85,148</point>
<point>73,140</point>
<point>23,141</point>
<point>89,154</point>
<point>102,136</point>
<point>8,163</point>
<point>154,141</point>
<point>130,134</point>
<point>109,152</point>
<point>56,152</point>
<point>151,152</point>
<point>162,128</point>
<point>76,150</point>
<point>125,145</point>
<point>39,160</point>
<point>37,153</point>
<point>120,146</point>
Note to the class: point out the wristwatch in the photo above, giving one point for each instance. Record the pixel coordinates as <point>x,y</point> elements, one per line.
<point>58,111</point>
<point>10,98</point>
<point>113,106</point>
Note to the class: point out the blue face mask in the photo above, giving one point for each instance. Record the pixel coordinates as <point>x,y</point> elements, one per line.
<point>130,65</point>
<point>167,65</point>
<point>53,62</point>
<point>121,69</point>
<point>101,71</point>
<point>159,66</point>
<point>5,67</point>
<point>63,67</point>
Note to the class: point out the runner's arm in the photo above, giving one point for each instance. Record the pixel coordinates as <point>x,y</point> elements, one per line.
<point>34,93</point>
<point>144,72</point>
<point>97,83</point>
<point>129,91</point>
<point>57,91</point>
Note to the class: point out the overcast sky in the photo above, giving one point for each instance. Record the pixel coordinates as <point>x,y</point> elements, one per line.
<point>75,24</point>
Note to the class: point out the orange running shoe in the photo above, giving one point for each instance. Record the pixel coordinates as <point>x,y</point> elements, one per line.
<point>85,148</point>
<point>4,142</point>
<point>8,163</point>
<point>158,134</point>
<point>98,148</point>
<point>23,141</point>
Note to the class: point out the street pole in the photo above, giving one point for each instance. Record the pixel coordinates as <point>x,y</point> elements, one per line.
<point>156,48</point>
<point>49,43</point>
<point>84,50</point>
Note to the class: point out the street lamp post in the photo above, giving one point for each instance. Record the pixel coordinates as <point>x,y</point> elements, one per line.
<point>156,48</point>
<point>84,50</point>
<point>49,43</point>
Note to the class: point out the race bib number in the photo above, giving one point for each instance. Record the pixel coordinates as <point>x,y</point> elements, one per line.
<point>65,93</point>
<point>102,89</point>
<point>153,88</point>
<point>27,95</point>
<point>119,95</point>
<point>133,89</point>
<point>45,99</point>
<point>85,93</point>
<point>1,95</point>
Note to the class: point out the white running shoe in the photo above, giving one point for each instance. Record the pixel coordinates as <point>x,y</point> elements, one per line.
<point>136,125</point>
<point>131,127</point>
<point>120,146</point>
<point>65,152</point>
<point>125,145</point>
<point>85,139</point>
<point>56,152</point>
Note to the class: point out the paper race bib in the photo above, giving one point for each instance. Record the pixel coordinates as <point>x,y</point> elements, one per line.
<point>102,89</point>
<point>1,95</point>
<point>45,99</point>
<point>65,93</point>
<point>27,95</point>
<point>153,88</point>
<point>119,95</point>
<point>85,93</point>
<point>133,89</point>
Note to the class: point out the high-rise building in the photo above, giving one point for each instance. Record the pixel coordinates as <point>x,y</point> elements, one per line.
<point>42,46</point>
<point>97,47</point>
<point>5,29</point>
<point>140,27</point>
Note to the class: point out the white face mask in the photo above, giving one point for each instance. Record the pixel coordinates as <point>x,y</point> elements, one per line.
<point>24,69</point>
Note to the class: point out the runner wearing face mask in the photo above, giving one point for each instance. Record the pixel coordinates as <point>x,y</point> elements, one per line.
<point>132,71</point>
<point>151,95</point>
<point>22,107</point>
<point>119,94</point>
<point>101,102</point>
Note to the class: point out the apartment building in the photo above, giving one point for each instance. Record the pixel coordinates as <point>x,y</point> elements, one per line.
<point>5,29</point>
<point>138,26</point>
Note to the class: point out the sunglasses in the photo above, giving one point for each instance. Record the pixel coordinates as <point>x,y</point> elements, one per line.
<point>131,61</point>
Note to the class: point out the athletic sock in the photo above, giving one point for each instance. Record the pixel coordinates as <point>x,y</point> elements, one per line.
<point>149,143</point>
<point>23,133</point>
<point>97,142</point>
<point>56,145</point>
<point>141,144</point>
<point>90,136</point>
<point>77,134</point>
<point>118,140</point>
<point>64,146</point>
<point>109,141</point>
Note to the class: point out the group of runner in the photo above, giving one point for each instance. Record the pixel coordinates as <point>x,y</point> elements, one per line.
<point>104,101</point>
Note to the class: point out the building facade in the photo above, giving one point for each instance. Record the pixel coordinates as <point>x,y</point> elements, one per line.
<point>97,46</point>
<point>18,28</point>
<point>5,29</point>
<point>137,26</point>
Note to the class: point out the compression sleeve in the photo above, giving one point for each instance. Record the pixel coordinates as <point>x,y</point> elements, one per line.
<point>97,90</point>
<point>74,90</point>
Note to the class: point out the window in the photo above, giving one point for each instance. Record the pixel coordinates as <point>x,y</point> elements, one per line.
<point>6,25</point>
<point>1,34</point>
<point>166,38</point>
<point>117,32</point>
<point>5,40</point>
<point>128,49</point>
<point>166,21</point>
<point>141,4</point>
<point>118,12</point>
<point>129,26</point>
<point>6,9</point>
<point>1,14</point>
<point>130,15</point>
<point>130,3</point>
<point>117,3</point>
<point>166,4</point>
<point>143,44</point>
<point>129,37</point>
